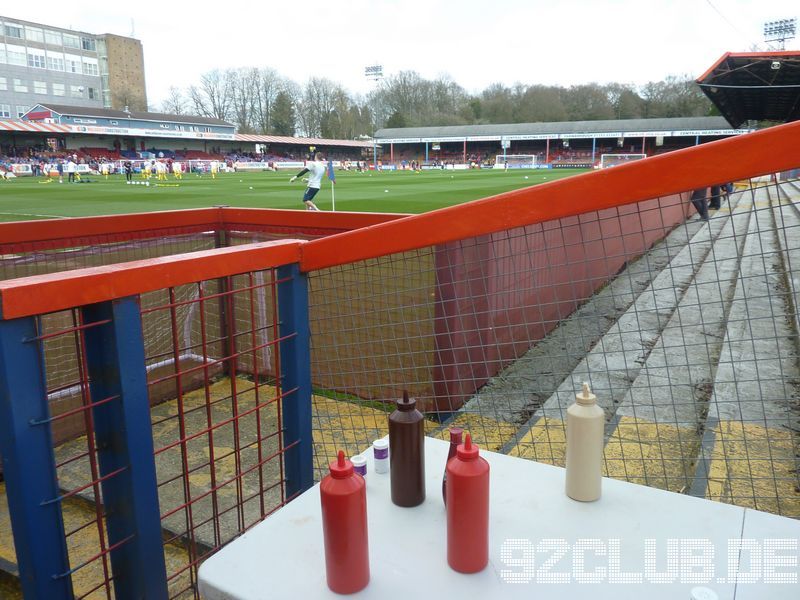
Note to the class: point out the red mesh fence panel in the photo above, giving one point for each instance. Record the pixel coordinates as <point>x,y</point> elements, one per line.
<point>211,359</point>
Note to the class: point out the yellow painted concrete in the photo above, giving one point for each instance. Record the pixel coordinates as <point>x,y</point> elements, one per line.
<point>755,466</point>
<point>653,454</point>
<point>545,442</point>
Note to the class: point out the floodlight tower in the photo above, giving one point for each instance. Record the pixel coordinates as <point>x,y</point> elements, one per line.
<point>374,73</point>
<point>780,31</point>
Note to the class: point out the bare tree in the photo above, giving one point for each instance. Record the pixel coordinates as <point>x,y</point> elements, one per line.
<point>243,87</point>
<point>322,107</point>
<point>212,96</point>
<point>318,102</point>
<point>175,102</point>
<point>268,85</point>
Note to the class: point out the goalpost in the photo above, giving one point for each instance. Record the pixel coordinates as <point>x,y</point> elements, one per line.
<point>612,160</point>
<point>515,161</point>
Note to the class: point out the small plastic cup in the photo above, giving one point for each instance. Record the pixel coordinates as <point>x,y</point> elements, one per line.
<point>359,465</point>
<point>380,452</point>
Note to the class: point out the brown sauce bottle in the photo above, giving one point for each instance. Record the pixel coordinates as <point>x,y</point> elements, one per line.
<point>407,453</point>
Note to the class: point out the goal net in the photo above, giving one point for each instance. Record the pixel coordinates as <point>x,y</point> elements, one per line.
<point>515,161</point>
<point>612,160</point>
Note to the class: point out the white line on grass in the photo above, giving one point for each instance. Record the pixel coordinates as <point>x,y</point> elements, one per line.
<point>34,215</point>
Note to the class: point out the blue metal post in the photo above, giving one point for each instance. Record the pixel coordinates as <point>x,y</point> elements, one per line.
<point>26,444</point>
<point>426,151</point>
<point>594,148</point>
<point>697,140</point>
<point>295,349</point>
<point>116,363</point>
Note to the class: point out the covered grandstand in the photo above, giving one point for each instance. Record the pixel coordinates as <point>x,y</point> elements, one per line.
<point>572,143</point>
<point>757,86</point>
<point>50,132</point>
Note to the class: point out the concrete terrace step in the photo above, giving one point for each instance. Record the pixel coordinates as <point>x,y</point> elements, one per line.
<point>787,219</point>
<point>749,454</point>
<point>654,438</point>
<point>616,360</point>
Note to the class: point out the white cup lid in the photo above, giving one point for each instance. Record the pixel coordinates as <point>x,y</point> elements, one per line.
<point>381,444</point>
<point>358,461</point>
<point>703,593</point>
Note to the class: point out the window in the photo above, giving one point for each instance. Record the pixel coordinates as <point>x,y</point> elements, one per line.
<point>13,31</point>
<point>34,34</point>
<point>5,111</point>
<point>72,63</point>
<point>15,55</point>
<point>3,84</point>
<point>93,94</point>
<point>90,67</point>
<point>55,61</point>
<point>39,87</point>
<point>21,110</point>
<point>58,89</point>
<point>72,41</point>
<point>36,59</point>
<point>2,53</point>
<point>88,44</point>
<point>76,91</point>
<point>20,86</point>
<point>52,37</point>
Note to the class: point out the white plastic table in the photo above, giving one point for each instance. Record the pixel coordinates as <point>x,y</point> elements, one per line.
<point>542,544</point>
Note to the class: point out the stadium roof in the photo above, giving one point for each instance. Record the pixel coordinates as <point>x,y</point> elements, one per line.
<point>278,139</point>
<point>14,125</point>
<point>759,86</point>
<point>18,125</point>
<point>107,113</point>
<point>562,129</point>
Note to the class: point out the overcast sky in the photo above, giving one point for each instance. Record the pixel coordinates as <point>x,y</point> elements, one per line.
<point>475,42</point>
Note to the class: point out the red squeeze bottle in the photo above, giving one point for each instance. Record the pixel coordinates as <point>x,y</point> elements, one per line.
<point>455,440</point>
<point>343,494</point>
<point>467,510</point>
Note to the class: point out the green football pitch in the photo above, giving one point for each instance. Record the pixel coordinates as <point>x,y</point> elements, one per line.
<point>402,192</point>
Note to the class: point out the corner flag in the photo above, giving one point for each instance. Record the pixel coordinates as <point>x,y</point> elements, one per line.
<point>332,177</point>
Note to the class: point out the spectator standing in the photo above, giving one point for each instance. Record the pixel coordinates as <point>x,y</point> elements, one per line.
<point>716,197</point>
<point>699,202</point>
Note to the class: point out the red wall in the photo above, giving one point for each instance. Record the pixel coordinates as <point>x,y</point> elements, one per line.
<point>498,294</point>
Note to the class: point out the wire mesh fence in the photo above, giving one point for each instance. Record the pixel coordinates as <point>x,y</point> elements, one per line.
<point>211,358</point>
<point>686,329</point>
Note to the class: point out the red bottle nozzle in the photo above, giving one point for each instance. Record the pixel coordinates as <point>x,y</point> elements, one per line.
<point>468,450</point>
<point>341,467</point>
